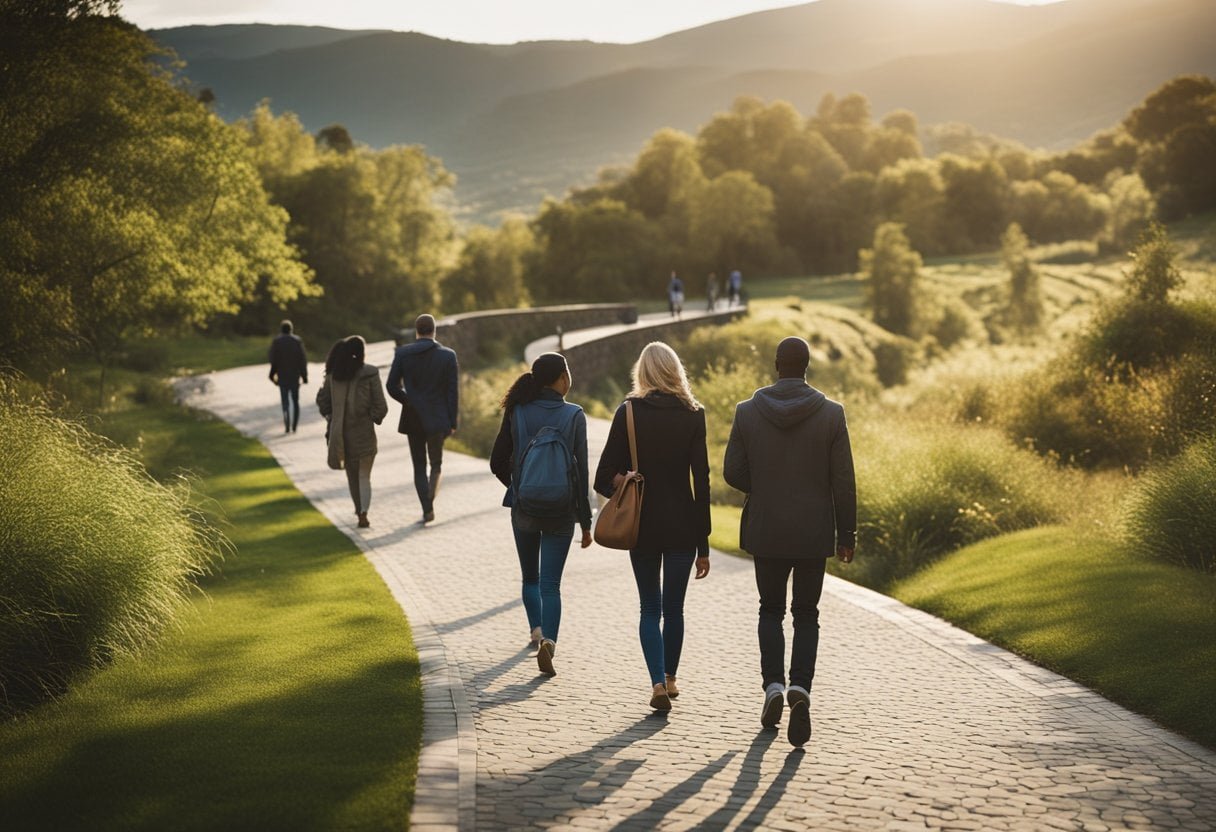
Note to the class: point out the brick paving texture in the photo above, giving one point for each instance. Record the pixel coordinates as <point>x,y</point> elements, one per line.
<point>917,725</point>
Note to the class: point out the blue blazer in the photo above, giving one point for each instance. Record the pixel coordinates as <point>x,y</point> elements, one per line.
<point>425,378</point>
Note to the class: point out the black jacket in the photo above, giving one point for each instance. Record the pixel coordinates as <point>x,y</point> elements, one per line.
<point>789,452</point>
<point>288,364</point>
<point>426,378</point>
<point>671,444</point>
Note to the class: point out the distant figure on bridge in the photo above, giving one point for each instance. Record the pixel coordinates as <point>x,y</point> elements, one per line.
<point>675,295</point>
<point>352,400</point>
<point>669,431</point>
<point>540,455</point>
<point>288,370</point>
<point>734,288</point>
<point>789,453</point>
<point>711,292</point>
<point>425,378</point>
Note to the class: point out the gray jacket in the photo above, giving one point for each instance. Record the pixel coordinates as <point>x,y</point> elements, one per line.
<point>789,452</point>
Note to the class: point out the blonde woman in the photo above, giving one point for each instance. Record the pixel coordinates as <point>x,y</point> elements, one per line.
<point>674,533</point>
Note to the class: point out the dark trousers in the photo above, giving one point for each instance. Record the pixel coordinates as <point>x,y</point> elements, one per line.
<point>772,578</point>
<point>422,447</point>
<point>661,596</point>
<point>290,396</point>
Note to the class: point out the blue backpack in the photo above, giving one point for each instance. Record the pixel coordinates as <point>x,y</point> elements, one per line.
<point>545,480</point>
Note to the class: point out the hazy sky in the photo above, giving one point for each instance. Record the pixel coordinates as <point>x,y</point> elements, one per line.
<point>478,21</point>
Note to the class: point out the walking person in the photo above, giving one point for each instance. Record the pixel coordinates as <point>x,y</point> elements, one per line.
<point>734,288</point>
<point>537,416</point>
<point>675,295</point>
<point>352,400</point>
<point>711,292</point>
<point>288,370</point>
<point>789,453</point>
<point>425,378</point>
<point>669,430</point>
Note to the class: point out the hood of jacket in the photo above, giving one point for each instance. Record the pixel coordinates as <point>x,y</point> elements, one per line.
<point>788,402</point>
<point>549,399</point>
<point>420,346</point>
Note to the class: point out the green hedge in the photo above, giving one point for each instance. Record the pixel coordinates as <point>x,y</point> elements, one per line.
<point>1171,511</point>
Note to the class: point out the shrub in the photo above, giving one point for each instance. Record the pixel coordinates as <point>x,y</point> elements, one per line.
<point>480,411</point>
<point>96,557</point>
<point>892,361</point>
<point>719,389</point>
<point>1171,511</point>
<point>932,489</point>
<point>1143,334</point>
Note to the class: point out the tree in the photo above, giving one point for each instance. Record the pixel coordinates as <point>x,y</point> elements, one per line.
<point>911,194</point>
<point>732,224</point>
<point>1131,209</point>
<point>1154,274</point>
<point>1025,309</point>
<point>976,202</point>
<point>489,273</point>
<point>891,270</point>
<point>127,205</point>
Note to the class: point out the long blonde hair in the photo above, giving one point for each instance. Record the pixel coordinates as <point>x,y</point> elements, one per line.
<point>659,369</point>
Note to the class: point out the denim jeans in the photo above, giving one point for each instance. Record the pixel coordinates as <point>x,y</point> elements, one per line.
<point>542,557</point>
<point>290,396</point>
<point>422,447</point>
<point>772,578</point>
<point>661,648</point>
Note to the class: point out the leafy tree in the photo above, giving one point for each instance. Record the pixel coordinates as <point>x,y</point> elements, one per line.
<point>1025,310</point>
<point>337,138</point>
<point>1176,126</point>
<point>1154,274</point>
<point>892,273</point>
<point>1185,101</point>
<point>1058,208</point>
<point>976,202</point>
<point>126,204</point>
<point>732,223</point>
<point>603,250</point>
<point>1131,209</point>
<point>911,193</point>
<point>489,273</point>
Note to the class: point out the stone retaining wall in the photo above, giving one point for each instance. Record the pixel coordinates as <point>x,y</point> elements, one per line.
<point>496,333</point>
<point>592,360</point>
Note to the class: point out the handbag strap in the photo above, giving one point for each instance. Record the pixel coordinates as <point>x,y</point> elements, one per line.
<point>633,439</point>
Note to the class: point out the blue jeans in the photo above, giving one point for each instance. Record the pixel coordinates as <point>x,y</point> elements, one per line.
<point>661,648</point>
<point>289,394</point>
<point>542,557</point>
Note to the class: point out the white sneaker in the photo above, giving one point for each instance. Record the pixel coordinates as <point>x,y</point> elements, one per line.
<point>774,702</point>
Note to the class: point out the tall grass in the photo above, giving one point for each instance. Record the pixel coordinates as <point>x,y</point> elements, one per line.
<point>926,489</point>
<point>96,557</point>
<point>1171,511</point>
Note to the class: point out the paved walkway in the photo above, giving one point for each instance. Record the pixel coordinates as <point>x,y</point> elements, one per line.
<point>917,724</point>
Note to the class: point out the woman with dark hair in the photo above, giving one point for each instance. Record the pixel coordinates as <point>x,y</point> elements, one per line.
<point>673,535</point>
<point>537,401</point>
<point>352,400</point>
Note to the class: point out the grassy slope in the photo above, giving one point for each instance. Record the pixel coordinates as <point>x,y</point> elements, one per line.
<point>288,699</point>
<point>1140,632</point>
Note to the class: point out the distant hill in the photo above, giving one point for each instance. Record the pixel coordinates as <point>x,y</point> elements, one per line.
<point>518,122</point>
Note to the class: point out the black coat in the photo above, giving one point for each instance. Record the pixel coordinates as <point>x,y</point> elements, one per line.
<point>288,364</point>
<point>671,444</point>
<point>789,452</point>
<point>425,378</point>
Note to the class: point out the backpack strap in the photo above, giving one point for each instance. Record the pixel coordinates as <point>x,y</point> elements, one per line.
<point>521,433</point>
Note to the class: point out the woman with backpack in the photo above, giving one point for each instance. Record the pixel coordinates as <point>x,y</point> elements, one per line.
<point>540,455</point>
<point>673,534</point>
<point>352,400</point>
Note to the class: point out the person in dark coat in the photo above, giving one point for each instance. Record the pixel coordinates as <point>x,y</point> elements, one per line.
<point>538,398</point>
<point>288,369</point>
<point>425,378</point>
<point>789,452</point>
<point>669,427</point>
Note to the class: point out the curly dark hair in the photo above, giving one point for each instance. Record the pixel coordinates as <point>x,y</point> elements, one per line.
<point>345,358</point>
<point>546,369</point>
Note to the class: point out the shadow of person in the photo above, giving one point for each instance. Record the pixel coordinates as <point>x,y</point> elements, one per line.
<point>775,791</point>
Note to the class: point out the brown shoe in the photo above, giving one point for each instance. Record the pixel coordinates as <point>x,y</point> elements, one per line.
<point>660,700</point>
<point>363,521</point>
<point>544,657</point>
<point>672,690</point>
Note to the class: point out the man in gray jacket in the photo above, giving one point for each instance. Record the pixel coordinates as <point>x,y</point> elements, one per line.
<point>789,452</point>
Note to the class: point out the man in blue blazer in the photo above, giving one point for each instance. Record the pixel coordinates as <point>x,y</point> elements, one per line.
<point>425,379</point>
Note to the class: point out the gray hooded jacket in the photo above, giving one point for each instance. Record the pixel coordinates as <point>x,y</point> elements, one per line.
<point>789,452</point>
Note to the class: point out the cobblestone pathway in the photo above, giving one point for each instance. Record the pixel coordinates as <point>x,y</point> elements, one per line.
<point>917,725</point>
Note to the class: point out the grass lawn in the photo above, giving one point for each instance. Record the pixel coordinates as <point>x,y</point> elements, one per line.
<point>1140,632</point>
<point>288,697</point>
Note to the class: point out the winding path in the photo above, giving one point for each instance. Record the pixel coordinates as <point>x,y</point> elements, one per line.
<point>918,725</point>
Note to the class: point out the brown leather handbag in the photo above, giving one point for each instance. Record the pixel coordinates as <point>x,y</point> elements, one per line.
<point>617,524</point>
